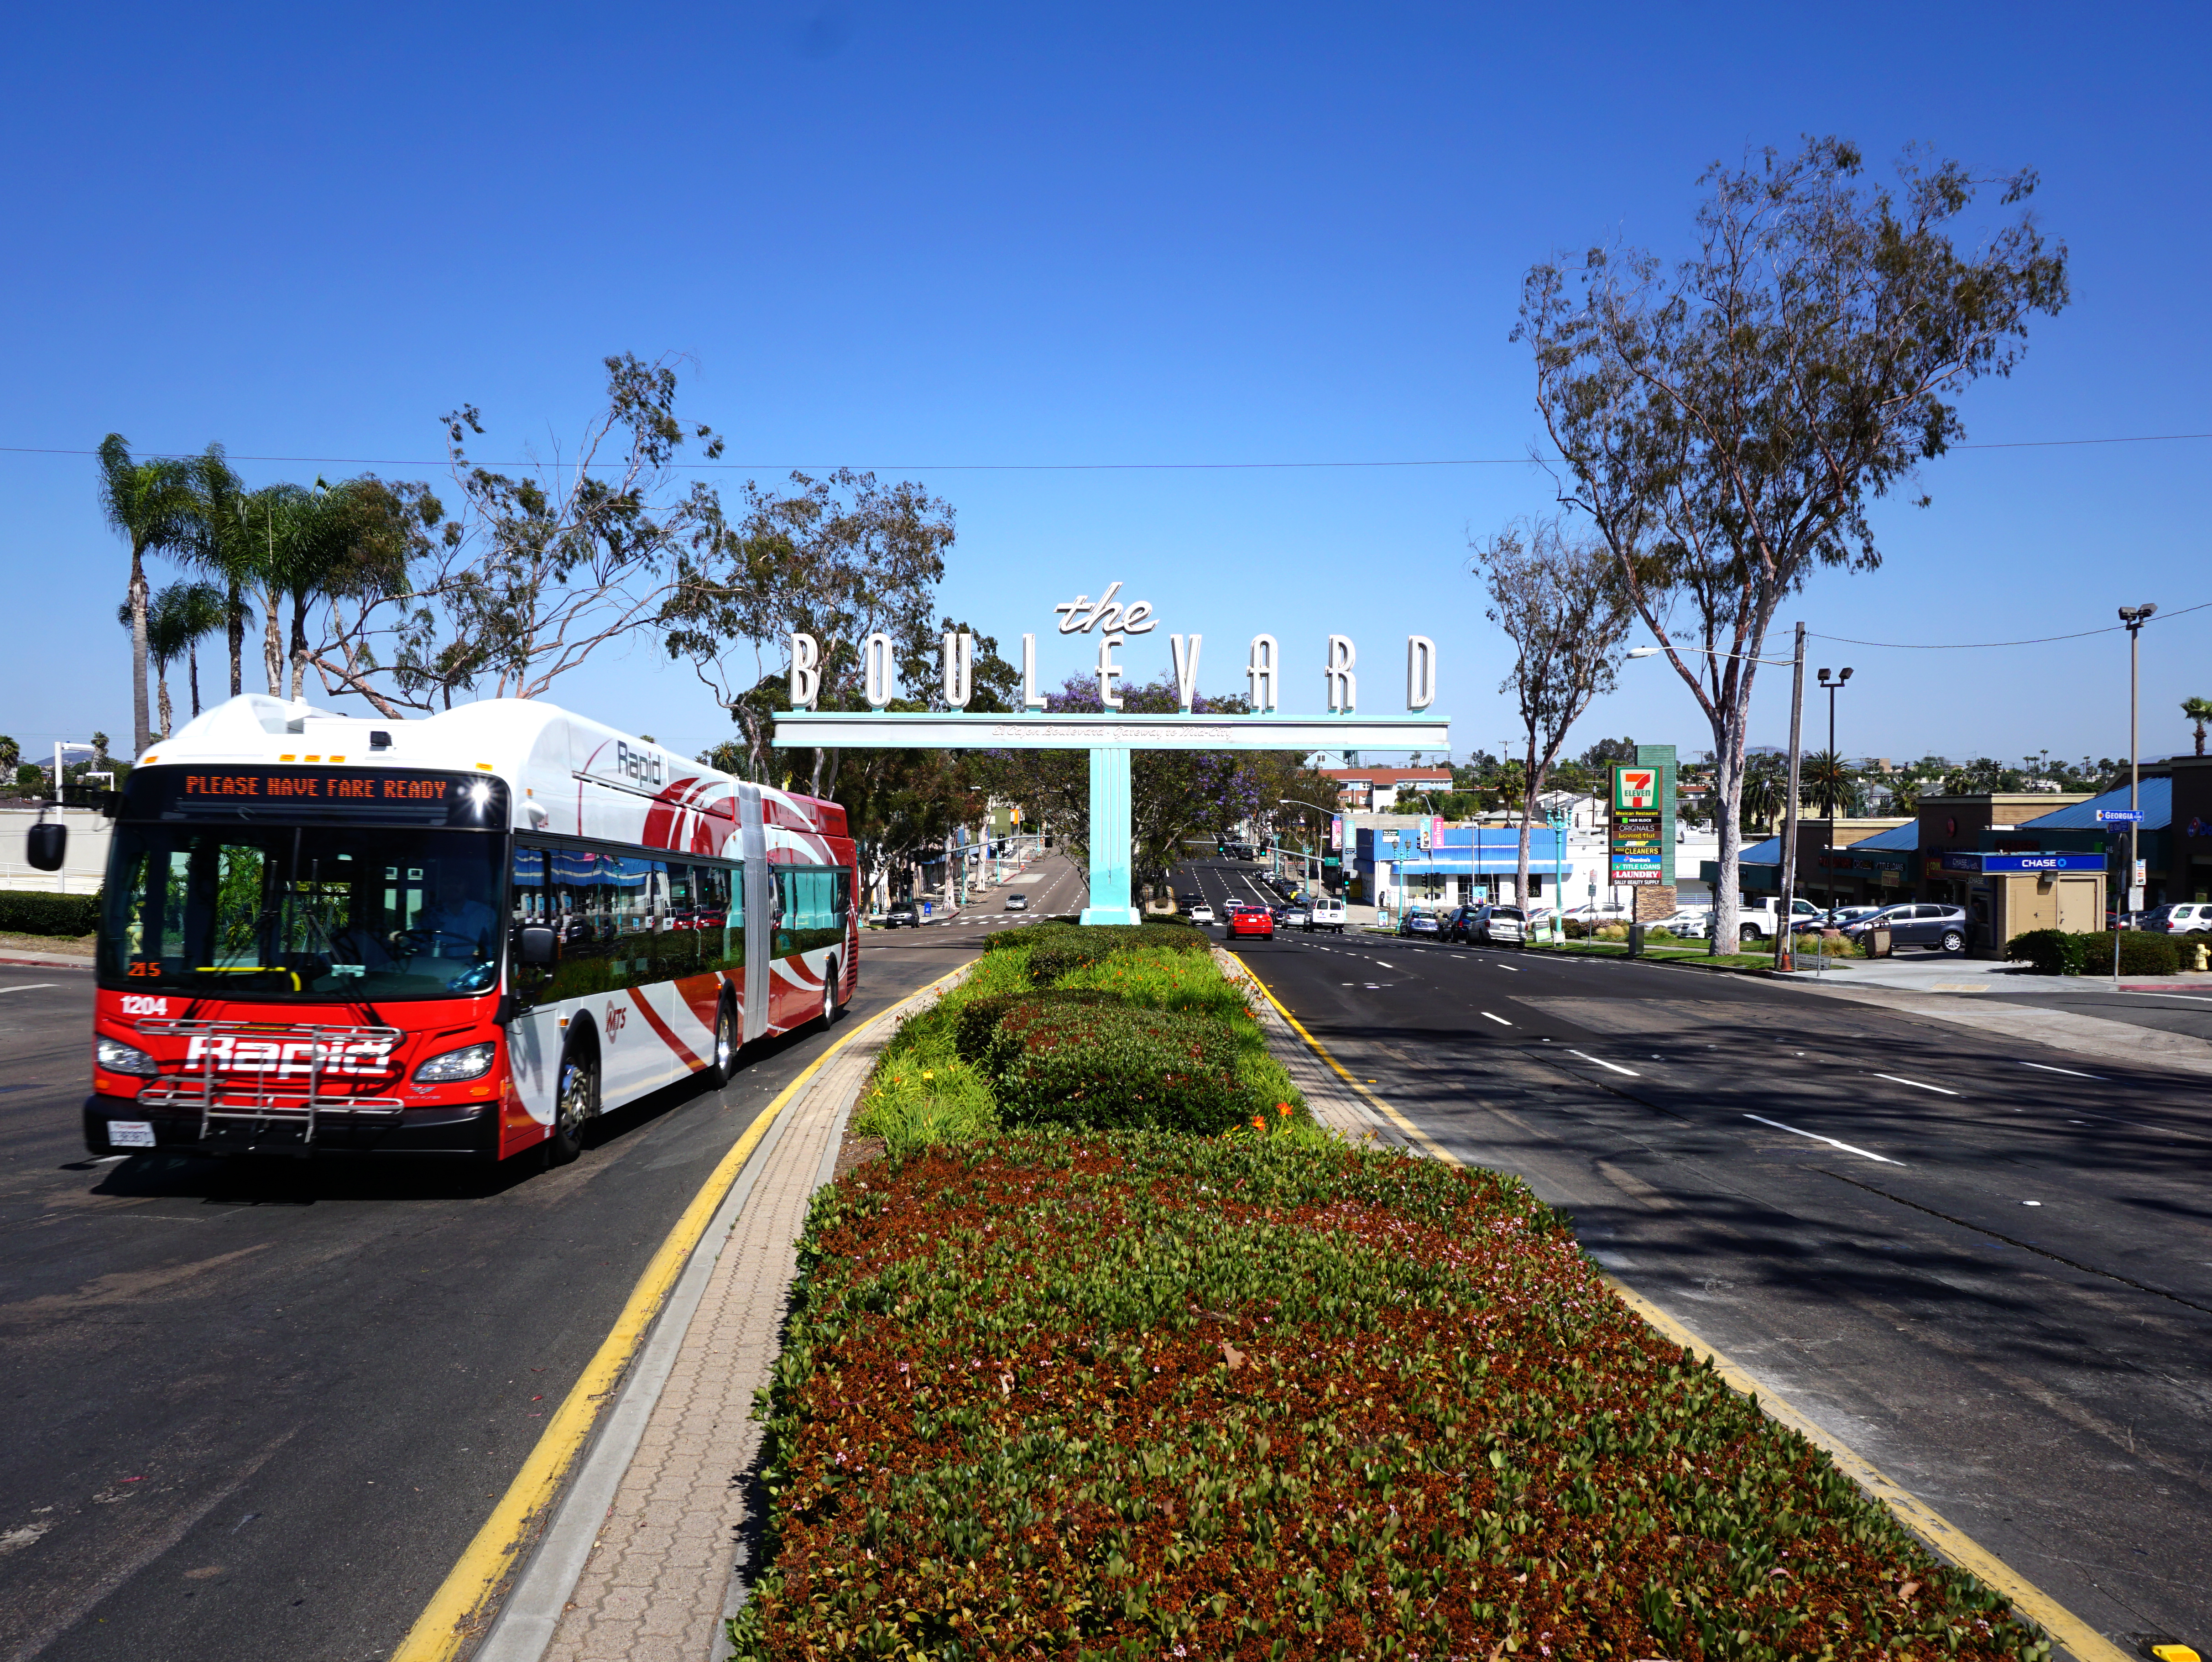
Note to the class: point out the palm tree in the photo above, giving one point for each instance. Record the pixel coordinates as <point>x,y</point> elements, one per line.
<point>2198,710</point>
<point>177,619</point>
<point>152,503</point>
<point>224,547</point>
<point>1825,776</point>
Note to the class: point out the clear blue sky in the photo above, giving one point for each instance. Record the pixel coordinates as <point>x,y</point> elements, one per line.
<point>906,236</point>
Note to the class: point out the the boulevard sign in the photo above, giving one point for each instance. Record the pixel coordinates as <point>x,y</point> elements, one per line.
<point>1110,736</point>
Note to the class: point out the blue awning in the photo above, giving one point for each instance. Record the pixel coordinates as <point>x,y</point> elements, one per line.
<point>2155,798</point>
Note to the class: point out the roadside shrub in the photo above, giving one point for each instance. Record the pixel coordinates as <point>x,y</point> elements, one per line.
<point>1076,948</point>
<point>1116,1397</point>
<point>37,911</point>
<point>1106,1067</point>
<point>2141,953</point>
<point>1577,930</point>
<point>1612,932</point>
<point>2048,951</point>
<point>974,1022</point>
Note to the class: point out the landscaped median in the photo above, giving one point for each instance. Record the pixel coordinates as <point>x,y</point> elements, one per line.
<point>1239,1389</point>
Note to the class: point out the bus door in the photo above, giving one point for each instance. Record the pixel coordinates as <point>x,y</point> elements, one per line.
<point>760,906</point>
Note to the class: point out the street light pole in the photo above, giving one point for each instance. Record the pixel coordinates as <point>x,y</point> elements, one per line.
<point>2134,617</point>
<point>1828,835</point>
<point>1786,922</point>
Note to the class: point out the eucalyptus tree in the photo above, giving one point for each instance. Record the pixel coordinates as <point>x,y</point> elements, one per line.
<point>1729,426</point>
<point>1557,599</point>
<point>152,503</point>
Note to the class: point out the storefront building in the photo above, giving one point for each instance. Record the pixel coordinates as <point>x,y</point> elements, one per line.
<point>1462,866</point>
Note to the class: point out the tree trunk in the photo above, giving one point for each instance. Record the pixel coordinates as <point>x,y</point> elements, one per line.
<point>272,653</point>
<point>162,683</point>
<point>299,647</point>
<point>142,730</point>
<point>1727,805</point>
<point>192,661</point>
<point>237,602</point>
<point>1528,819</point>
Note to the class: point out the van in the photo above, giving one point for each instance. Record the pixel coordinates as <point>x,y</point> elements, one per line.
<point>1326,914</point>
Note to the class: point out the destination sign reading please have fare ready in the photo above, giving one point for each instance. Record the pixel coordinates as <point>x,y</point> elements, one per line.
<point>318,786</point>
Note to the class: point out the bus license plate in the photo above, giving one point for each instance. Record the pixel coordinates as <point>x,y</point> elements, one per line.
<point>131,1133</point>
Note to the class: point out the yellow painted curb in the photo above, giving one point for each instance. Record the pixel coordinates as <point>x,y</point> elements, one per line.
<point>457,1610</point>
<point>2084,1641</point>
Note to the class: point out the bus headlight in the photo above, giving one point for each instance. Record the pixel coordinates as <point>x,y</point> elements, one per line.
<point>117,1057</point>
<point>469,1061</point>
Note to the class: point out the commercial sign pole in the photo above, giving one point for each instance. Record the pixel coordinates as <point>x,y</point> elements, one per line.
<point>1784,937</point>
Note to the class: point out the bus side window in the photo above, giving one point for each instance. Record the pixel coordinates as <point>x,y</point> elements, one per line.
<point>677,943</point>
<point>786,905</point>
<point>722,918</point>
<point>580,906</point>
<point>528,898</point>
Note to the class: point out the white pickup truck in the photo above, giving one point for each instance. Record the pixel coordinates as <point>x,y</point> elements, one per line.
<point>1758,920</point>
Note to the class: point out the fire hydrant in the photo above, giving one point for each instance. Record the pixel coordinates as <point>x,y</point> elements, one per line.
<point>2200,955</point>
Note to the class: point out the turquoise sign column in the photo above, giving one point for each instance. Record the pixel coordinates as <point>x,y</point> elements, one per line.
<point>1109,838</point>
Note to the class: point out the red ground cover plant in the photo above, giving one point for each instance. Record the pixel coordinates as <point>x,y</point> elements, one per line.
<point>1144,1395</point>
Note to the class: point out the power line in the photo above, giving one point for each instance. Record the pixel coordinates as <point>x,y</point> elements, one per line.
<point>1981,646</point>
<point>1049,467</point>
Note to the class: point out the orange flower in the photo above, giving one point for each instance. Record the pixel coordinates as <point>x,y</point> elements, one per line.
<point>1283,1109</point>
<point>1258,1123</point>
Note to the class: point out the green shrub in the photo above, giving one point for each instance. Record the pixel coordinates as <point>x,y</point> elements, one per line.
<point>2049,951</point>
<point>2141,953</point>
<point>1078,948</point>
<point>1108,1067</point>
<point>976,1020</point>
<point>36,912</point>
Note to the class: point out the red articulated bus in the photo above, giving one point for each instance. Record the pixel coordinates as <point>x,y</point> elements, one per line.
<point>464,935</point>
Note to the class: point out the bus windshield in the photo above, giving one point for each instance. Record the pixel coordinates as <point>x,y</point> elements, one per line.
<point>302,911</point>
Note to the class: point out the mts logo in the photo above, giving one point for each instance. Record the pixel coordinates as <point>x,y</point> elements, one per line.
<point>617,1018</point>
<point>642,767</point>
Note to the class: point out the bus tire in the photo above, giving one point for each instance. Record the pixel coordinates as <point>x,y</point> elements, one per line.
<point>724,1067</point>
<point>574,1103</point>
<point>830,996</point>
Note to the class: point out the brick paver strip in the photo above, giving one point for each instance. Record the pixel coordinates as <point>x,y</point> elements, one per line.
<point>656,1584</point>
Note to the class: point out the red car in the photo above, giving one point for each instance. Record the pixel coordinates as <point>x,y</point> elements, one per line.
<point>1251,920</point>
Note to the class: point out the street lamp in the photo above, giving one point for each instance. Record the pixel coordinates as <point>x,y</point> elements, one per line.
<point>2134,617</point>
<point>1828,833</point>
<point>1797,662</point>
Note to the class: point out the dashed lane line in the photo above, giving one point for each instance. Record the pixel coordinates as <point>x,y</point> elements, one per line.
<point>1897,1080</point>
<point>1602,1062</point>
<point>1849,1148</point>
<point>2086,1643</point>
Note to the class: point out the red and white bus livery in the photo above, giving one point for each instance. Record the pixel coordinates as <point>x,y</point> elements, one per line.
<point>467,934</point>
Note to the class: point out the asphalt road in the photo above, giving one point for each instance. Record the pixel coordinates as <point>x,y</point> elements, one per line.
<point>1985,1266</point>
<point>259,1412</point>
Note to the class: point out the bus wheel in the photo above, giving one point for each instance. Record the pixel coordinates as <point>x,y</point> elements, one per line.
<point>578,1100</point>
<point>830,996</point>
<point>725,1044</point>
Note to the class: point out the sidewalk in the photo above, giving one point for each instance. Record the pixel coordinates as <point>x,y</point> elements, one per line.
<point>645,1558</point>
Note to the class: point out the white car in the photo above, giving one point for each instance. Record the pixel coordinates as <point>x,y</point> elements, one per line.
<point>1017,903</point>
<point>1202,913</point>
<point>1325,915</point>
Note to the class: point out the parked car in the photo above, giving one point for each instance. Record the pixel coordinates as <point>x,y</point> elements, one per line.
<point>1941,928</point>
<point>1416,922</point>
<point>1490,925</point>
<point>1841,915</point>
<point>1201,913</point>
<point>1325,915</point>
<point>1253,920</point>
<point>1295,917</point>
<point>1691,923</point>
<point>1018,903</point>
<point>2181,918</point>
<point>903,914</point>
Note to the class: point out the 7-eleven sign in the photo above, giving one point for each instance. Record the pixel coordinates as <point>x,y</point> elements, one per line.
<point>1636,790</point>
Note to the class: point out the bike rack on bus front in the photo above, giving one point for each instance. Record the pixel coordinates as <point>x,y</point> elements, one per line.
<point>236,1070</point>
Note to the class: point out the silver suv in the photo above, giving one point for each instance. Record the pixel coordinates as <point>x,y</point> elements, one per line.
<point>1941,929</point>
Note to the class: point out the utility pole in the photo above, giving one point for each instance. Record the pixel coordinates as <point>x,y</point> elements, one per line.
<point>1783,939</point>
<point>2134,617</point>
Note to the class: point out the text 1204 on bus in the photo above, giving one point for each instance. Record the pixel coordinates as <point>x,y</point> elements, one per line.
<point>466,935</point>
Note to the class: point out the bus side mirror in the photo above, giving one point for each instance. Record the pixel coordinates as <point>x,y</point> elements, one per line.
<point>45,845</point>
<point>538,946</point>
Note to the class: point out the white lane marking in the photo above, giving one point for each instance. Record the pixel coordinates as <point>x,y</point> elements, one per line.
<point>1601,1062</point>
<point>1500,1020</point>
<point>30,987</point>
<point>1865,1153</point>
<point>2047,1069</point>
<point>1508,968</point>
<point>1916,1084</point>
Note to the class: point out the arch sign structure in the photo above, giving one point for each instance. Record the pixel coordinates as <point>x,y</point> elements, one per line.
<point>1110,736</point>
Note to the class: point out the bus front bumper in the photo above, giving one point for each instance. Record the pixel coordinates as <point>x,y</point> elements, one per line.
<point>119,1125</point>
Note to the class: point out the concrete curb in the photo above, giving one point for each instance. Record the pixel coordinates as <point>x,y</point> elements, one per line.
<point>531,1616</point>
